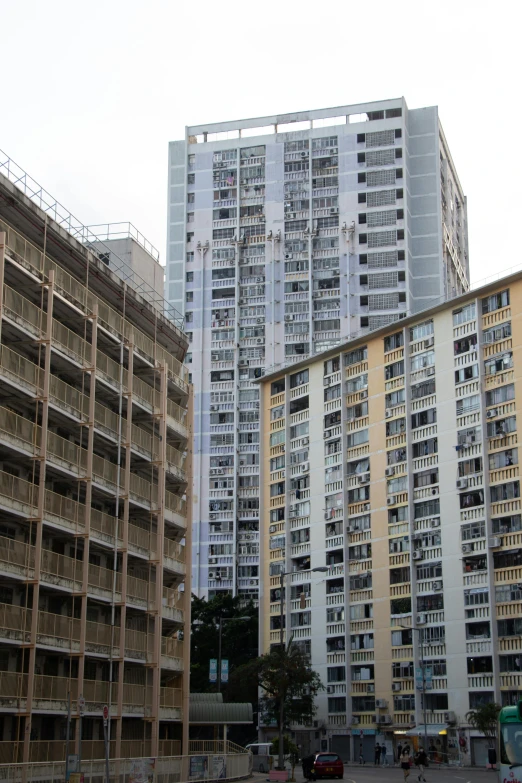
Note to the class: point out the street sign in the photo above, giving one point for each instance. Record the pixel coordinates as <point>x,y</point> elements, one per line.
<point>428,678</point>
<point>105,715</point>
<point>224,670</point>
<point>81,704</point>
<point>212,674</point>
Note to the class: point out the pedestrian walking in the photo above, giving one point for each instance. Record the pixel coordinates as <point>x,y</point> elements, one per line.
<point>405,762</point>
<point>377,754</point>
<point>421,761</point>
<point>383,755</point>
<point>361,755</point>
<point>399,753</point>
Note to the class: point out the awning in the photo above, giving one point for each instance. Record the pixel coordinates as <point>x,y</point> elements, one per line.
<point>201,712</point>
<point>433,730</point>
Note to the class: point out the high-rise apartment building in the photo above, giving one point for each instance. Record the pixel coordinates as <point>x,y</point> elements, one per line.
<point>286,235</point>
<point>95,429</point>
<point>393,460</point>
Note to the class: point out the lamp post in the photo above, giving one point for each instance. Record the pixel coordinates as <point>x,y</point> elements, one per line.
<point>423,690</point>
<point>221,621</point>
<point>280,758</point>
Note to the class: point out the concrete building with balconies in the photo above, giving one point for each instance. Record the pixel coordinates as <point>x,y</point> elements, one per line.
<point>287,235</point>
<point>95,476</point>
<point>393,461</point>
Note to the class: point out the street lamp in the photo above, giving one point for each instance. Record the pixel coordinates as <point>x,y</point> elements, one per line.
<point>221,621</point>
<point>321,569</point>
<point>423,691</point>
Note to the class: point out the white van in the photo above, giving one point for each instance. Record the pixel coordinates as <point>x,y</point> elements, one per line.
<point>263,757</point>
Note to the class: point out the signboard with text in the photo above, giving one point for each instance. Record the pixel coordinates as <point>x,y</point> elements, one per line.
<point>212,672</point>
<point>224,670</point>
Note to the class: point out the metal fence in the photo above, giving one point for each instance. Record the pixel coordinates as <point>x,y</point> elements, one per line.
<point>165,769</point>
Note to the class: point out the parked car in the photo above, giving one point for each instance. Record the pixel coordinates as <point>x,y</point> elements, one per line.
<point>323,765</point>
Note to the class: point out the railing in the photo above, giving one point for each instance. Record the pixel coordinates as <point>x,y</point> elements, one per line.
<point>47,762</point>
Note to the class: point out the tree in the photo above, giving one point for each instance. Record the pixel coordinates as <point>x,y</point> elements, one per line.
<point>239,640</point>
<point>289,686</point>
<point>484,719</point>
<point>290,751</point>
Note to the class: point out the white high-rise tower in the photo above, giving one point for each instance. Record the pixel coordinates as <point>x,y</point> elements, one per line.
<point>287,234</point>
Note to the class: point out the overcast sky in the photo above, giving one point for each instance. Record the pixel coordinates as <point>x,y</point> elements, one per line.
<point>93,91</point>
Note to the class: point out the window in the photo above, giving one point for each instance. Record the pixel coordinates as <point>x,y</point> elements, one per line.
<point>501,394</point>
<point>424,448</point>
<point>497,333</point>
<point>466,373</point>
<point>495,301</point>
<point>426,478</point>
<point>394,370</point>
<point>464,314</point>
<point>508,491</point>
<point>393,341</point>
<point>422,360</point>
<point>424,389</point>
<point>471,499</point>
<point>509,524</point>
<point>421,331</point>
<point>468,404</point>
<point>424,418</point>
<point>428,508</point>
<point>354,357</point>
<point>189,317</point>
<point>299,378</point>
<point>189,296</point>
<point>499,363</point>
<point>497,429</point>
<point>503,459</point>
<point>357,438</point>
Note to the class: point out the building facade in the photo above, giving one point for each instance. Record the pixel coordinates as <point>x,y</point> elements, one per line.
<point>393,460</point>
<point>286,235</point>
<point>95,428</point>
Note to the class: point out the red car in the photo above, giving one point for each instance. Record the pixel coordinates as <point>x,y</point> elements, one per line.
<point>327,765</point>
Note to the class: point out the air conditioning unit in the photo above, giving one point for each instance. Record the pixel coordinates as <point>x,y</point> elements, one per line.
<point>330,689</point>
<point>259,320</point>
<point>467,549</point>
<point>220,471</point>
<point>462,483</point>
<point>292,513</point>
<point>326,434</point>
<point>388,412</point>
<point>328,514</point>
<point>391,500</point>
<point>412,717</point>
<point>385,719</point>
<point>495,542</point>
<point>396,686</point>
<point>327,381</point>
<point>211,574</point>
<point>272,528</point>
<point>289,317</point>
<point>429,342</point>
<point>364,478</point>
<point>214,407</point>
<point>215,357</point>
<point>212,560</point>
<point>430,371</point>
<point>435,522</point>
<point>212,516</point>
<point>253,582</point>
<point>370,688</point>
<point>417,554</point>
<point>242,363</point>
<point>450,717</point>
<point>355,720</point>
<point>364,394</point>
<point>437,585</point>
<point>381,704</point>
<point>334,210</point>
<point>491,413</point>
<point>260,341</point>
<point>421,619</point>
<point>259,279</point>
<point>290,215</point>
<point>241,301</point>
<point>305,467</point>
<point>305,441</point>
<point>389,471</point>
<point>242,463</point>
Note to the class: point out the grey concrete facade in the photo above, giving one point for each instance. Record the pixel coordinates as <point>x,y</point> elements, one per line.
<point>286,235</point>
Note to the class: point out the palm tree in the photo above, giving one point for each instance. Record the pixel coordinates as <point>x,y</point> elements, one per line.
<point>484,719</point>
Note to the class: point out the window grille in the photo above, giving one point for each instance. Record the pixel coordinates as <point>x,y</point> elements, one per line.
<point>382,238</point>
<point>383,138</point>
<point>383,301</point>
<point>380,158</point>
<point>383,280</point>
<point>378,260</point>
<point>387,218</point>
<point>380,198</point>
<point>376,178</point>
<point>377,321</point>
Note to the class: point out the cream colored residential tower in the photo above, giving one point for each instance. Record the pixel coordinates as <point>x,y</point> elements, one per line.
<point>393,460</point>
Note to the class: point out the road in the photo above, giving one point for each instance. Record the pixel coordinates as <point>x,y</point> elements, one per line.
<point>368,773</point>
